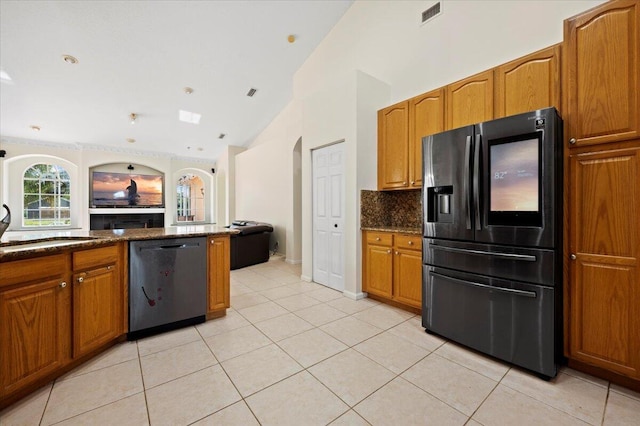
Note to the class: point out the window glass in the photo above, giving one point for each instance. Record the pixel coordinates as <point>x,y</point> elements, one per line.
<point>46,196</point>
<point>190,199</point>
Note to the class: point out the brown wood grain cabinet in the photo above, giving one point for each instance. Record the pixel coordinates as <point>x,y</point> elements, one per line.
<point>470,101</point>
<point>601,74</point>
<point>97,298</point>
<point>604,245</point>
<point>528,83</point>
<point>426,117</point>
<point>35,318</point>
<point>218,264</point>
<point>393,147</point>
<point>392,267</point>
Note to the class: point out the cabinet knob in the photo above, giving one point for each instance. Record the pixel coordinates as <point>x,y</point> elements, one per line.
<point>397,253</point>
<point>377,238</point>
<point>410,243</point>
<point>413,182</point>
<point>80,279</point>
<point>573,256</point>
<point>109,267</point>
<point>572,141</point>
<point>404,183</point>
<point>388,251</point>
<point>63,284</point>
<point>213,241</point>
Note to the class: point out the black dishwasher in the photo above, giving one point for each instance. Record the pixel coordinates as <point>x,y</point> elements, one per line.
<point>167,284</point>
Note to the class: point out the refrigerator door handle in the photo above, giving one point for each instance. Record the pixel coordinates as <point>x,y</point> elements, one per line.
<point>467,195</point>
<point>522,293</point>
<point>476,181</point>
<point>509,256</point>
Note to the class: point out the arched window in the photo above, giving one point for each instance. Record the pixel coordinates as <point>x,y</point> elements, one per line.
<point>190,198</point>
<point>46,196</point>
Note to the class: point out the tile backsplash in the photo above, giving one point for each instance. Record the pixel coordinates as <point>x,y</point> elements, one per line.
<point>391,208</point>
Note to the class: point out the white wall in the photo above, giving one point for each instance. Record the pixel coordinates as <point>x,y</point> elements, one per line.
<point>265,179</point>
<point>398,58</point>
<point>226,185</point>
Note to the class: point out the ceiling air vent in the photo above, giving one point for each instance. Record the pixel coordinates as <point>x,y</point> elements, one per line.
<point>251,92</point>
<point>432,12</point>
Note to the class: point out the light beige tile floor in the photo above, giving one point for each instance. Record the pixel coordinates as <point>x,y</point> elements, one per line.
<point>296,353</point>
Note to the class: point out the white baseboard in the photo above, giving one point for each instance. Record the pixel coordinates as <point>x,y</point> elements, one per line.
<point>293,261</point>
<point>354,296</point>
<point>306,278</point>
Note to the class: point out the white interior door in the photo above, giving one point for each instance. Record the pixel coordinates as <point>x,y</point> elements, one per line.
<point>328,216</point>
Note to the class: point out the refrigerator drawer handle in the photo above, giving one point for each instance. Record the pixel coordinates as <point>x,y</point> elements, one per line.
<point>510,256</point>
<point>523,293</point>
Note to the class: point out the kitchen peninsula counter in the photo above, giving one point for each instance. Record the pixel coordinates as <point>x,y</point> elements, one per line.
<point>32,244</point>
<point>397,229</point>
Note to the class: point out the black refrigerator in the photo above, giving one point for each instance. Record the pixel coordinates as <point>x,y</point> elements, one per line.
<point>492,252</point>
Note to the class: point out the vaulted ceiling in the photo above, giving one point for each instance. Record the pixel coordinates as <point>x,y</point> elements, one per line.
<point>139,56</point>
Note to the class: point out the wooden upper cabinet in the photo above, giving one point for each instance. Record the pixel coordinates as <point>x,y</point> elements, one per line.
<point>393,149</point>
<point>470,101</point>
<point>604,244</point>
<point>426,117</point>
<point>600,84</point>
<point>528,83</point>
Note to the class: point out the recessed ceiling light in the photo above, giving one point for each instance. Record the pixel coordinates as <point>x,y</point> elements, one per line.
<point>200,149</point>
<point>251,92</point>
<point>189,117</point>
<point>4,77</point>
<point>133,117</point>
<point>131,140</point>
<point>69,59</point>
<point>291,38</point>
<point>35,128</point>
<point>188,90</point>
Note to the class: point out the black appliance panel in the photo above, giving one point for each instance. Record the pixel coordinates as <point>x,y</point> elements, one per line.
<point>533,229</point>
<point>447,183</point>
<point>509,320</point>
<point>530,265</point>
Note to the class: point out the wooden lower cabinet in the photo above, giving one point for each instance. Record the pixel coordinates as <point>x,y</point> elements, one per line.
<point>218,265</point>
<point>35,322</point>
<point>392,267</point>
<point>97,299</point>
<point>604,246</point>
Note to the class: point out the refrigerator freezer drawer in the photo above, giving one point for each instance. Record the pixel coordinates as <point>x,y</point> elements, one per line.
<point>509,320</point>
<point>531,265</point>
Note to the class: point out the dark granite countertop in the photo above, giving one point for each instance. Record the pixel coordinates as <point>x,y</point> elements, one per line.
<point>399,229</point>
<point>30,244</point>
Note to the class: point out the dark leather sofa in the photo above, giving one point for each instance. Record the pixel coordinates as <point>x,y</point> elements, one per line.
<point>251,245</point>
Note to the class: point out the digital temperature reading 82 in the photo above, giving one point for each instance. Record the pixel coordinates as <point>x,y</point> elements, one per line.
<point>500,175</point>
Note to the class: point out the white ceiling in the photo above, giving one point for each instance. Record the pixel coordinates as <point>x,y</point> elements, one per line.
<point>137,56</point>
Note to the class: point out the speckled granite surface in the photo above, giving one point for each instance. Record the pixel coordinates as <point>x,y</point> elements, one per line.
<point>397,211</point>
<point>28,244</point>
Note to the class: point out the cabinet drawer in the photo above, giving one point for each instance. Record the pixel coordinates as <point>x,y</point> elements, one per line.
<point>410,242</point>
<point>380,238</point>
<point>23,271</point>
<point>95,257</point>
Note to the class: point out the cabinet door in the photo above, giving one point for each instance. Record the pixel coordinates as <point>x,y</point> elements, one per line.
<point>96,308</point>
<point>601,84</point>
<point>378,270</point>
<point>407,277</point>
<point>528,83</point>
<point>218,272</point>
<point>604,240</point>
<point>34,333</point>
<point>470,101</point>
<point>393,146</point>
<point>426,117</point>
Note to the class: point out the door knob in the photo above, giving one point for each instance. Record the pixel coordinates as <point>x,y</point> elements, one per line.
<point>335,225</point>
<point>63,284</point>
<point>573,256</point>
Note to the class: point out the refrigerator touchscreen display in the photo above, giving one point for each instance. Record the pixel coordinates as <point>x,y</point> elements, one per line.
<point>514,178</point>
